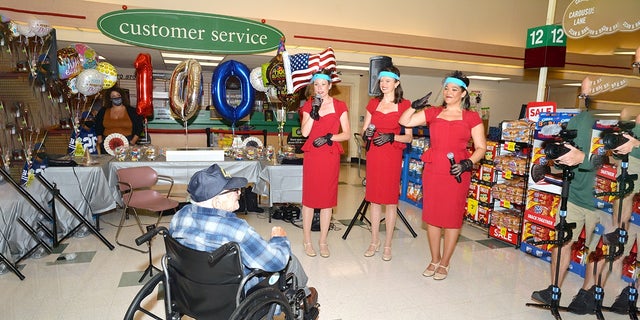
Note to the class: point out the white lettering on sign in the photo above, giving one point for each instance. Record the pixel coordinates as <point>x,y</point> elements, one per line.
<point>534,111</point>
<point>499,235</point>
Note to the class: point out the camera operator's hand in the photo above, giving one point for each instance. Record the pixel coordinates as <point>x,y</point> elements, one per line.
<point>383,138</point>
<point>458,168</point>
<point>628,146</point>
<point>572,158</point>
<point>321,141</point>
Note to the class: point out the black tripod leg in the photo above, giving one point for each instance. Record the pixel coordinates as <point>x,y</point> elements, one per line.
<point>406,223</point>
<point>362,209</point>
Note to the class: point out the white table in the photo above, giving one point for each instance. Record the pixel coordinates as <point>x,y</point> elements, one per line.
<point>282,183</point>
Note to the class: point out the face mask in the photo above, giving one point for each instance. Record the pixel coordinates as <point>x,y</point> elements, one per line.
<point>117,101</point>
<point>88,124</point>
<point>41,155</point>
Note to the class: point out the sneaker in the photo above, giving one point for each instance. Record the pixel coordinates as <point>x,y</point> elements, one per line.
<point>584,302</point>
<point>543,296</point>
<point>621,305</point>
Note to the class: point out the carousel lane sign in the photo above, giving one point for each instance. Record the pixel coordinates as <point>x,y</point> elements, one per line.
<point>189,31</point>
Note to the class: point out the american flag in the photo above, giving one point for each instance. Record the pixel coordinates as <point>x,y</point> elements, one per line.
<point>301,67</point>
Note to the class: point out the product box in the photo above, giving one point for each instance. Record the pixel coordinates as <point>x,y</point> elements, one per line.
<point>487,173</point>
<point>549,124</point>
<point>194,154</point>
<point>492,149</point>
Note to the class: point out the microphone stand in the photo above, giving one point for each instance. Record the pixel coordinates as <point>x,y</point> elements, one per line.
<point>564,234</point>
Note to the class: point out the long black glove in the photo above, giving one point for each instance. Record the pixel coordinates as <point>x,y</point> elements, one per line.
<point>458,168</point>
<point>321,141</point>
<point>422,102</point>
<point>383,138</point>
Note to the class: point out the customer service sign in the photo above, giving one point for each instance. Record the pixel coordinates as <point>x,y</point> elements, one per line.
<point>189,31</point>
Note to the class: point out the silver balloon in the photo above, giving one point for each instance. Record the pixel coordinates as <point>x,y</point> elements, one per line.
<point>185,89</point>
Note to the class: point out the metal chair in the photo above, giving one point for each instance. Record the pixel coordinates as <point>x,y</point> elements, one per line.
<point>135,185</point>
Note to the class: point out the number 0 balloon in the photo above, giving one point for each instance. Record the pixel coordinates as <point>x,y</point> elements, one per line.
<point>184,90</point>
<point>219,90</point>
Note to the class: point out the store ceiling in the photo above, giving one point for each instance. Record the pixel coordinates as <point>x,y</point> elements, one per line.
<point>584,56</point>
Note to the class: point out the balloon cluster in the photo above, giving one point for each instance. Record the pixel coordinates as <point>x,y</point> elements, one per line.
<point>79,65</point>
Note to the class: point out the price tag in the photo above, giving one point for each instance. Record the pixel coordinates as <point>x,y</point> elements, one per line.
<point>505,203</point>
<point>472,206</point>
<point>507,174</point>
<point>510,146</point>
<point>503,232</point>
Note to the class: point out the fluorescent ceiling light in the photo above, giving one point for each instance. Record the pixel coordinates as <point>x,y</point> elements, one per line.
<point>576,84</point>
<point>487,78</point>
<point>185,56</point>
<point>353,68</point>
<point>624,51</point>
<point>202,63</point>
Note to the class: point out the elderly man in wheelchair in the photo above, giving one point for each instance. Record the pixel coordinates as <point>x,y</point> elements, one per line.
<point>218,267</point>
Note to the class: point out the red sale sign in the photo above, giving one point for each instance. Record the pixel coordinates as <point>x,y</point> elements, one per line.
<point>535,108</point>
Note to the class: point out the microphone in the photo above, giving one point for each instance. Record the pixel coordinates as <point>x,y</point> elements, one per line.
<point>370,128</point>
<point>452,162</point>
<point>317,101</point>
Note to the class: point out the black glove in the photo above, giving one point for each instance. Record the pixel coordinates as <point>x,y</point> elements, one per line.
<point>368,134</point>
<point>315,113</point>
<point>422,102</point>
<point>458,168</point>
<point>320,141</point>
<point>383,138</point>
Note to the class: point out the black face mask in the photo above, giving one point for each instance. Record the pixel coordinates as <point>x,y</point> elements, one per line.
<point>116,101</point>
<point>41,155</point>
<point>89,124</point>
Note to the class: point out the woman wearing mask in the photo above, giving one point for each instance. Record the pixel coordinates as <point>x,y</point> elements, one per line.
<point>445,184</point>
<point>117,117</point>
<point>325,123</point>
<point>381,132</point>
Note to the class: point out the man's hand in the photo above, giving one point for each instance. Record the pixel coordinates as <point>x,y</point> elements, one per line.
<point>383,138</point>
<point>321,141</point>
<point>628,146</point>
<point>572,158</point>
<point>278,232</point>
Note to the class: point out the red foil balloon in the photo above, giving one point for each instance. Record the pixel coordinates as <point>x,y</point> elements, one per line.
<point>144,84</point>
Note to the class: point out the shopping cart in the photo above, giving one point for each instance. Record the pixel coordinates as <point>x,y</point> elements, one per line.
<point>358,138</point>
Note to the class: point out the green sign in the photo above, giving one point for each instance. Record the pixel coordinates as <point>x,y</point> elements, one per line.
<point>546,36</point>
<point>189,31</point>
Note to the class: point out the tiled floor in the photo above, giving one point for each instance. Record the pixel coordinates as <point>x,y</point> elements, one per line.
<point>488,280</point>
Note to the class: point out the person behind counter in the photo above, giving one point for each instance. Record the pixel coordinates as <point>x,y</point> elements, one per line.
<point>117,116</point>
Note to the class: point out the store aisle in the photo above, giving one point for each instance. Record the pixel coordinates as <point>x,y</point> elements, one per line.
<point>487,279</point>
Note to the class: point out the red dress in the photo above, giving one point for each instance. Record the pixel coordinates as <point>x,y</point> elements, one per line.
<point>321,166</point>
<point>384,163</point>
<point>444,198</point>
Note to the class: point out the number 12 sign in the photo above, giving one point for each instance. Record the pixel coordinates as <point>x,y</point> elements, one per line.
<point>546,47</point>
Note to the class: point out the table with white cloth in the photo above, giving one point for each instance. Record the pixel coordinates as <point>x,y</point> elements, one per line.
<point>84,187</point>
<point>181,171</point>
<point>282,183</point>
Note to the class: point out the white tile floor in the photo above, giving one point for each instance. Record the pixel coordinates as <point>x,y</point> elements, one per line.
<point>483,283</point>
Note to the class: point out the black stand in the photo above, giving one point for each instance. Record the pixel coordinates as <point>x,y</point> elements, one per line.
<point>151,267</point>
<point>564,234</point>
<point>362,210</point>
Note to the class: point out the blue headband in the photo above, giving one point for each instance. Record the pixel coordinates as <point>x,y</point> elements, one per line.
<point>388,74</point>
<point>320,76</point>
<point>455,81</point>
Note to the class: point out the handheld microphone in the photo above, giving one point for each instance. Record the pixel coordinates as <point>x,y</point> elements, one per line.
<point>371,128</point>
<point>452,162</point>
<point>317,101</point>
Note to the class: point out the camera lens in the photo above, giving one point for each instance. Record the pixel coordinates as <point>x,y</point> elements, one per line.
<point>613,140</point>
<point>555,150</point>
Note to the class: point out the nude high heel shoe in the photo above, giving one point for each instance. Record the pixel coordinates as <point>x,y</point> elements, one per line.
<point>324,250</point>
<point>308,249</point>
<point>439,275</point>
<point>386,254</point>
<point>429,273</point>
<point>373,248</point>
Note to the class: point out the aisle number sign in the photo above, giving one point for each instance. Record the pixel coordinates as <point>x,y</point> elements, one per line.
<point>546,47</point>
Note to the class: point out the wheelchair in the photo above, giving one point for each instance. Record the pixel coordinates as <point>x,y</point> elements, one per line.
<point>211,285</point>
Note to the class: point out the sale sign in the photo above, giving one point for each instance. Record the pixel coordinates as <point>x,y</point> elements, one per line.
<point>535,108</point>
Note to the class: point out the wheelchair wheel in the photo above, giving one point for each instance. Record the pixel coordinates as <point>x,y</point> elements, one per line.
<point>260,305</point>
<point>145,300</point>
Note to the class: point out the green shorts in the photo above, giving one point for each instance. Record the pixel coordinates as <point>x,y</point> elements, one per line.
<point>583,217</point>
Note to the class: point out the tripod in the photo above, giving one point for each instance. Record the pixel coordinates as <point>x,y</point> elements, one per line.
<point>151,267</point>
<point>362,210</point>
<point>564,234</point>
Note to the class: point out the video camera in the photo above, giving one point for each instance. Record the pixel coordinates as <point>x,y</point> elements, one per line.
<point>556,148</point>
<point>614,138</point>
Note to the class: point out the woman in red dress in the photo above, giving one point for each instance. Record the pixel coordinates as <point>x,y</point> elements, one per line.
<point>445,185</point>
<point>325,123</point>
<point>381,132</point>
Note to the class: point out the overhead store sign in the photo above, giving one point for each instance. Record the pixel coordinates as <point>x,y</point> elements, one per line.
<point>595,18</point>
<point>189,31</point>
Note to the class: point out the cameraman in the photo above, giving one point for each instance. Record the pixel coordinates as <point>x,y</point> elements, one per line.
<point>631,148</point>
<point>580,210</point>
